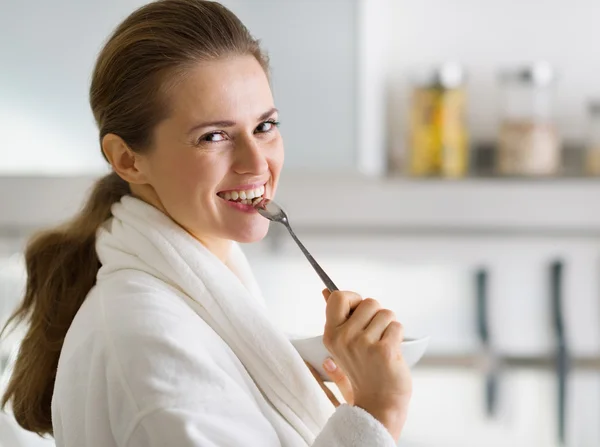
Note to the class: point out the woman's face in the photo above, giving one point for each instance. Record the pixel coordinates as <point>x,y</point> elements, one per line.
<point>221,143</point>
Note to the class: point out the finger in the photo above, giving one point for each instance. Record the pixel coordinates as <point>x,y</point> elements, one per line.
<point>362,315</point>
<point>326,294</point>
<point>379,324</point>
<point>337,376</point>
<point>339,306</point>
<point>324,387</point>
<point>394,332</point>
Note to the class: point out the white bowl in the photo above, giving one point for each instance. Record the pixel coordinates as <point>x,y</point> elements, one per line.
<point>313,351</point>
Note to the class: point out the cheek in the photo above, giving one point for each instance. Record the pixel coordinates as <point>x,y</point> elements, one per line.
<point>180,178</point>
<point>276,162</point>
<point>276,155</point>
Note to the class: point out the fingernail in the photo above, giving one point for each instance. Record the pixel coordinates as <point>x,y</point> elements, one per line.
<point>329,365</point>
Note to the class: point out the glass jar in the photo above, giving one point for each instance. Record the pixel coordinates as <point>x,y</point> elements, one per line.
<point>528,140</point>
<point>592,153</point>
<point>438,139</point>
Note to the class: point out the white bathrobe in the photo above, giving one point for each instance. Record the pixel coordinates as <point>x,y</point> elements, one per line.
<point>172,348</point>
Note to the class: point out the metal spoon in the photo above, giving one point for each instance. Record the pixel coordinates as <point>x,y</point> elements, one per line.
<point>273,212</point>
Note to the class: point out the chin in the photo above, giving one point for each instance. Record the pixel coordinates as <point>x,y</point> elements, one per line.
<point>252,233</point>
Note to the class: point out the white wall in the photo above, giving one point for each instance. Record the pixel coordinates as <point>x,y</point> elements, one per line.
<point>312,44</point>
<point>47,52</point>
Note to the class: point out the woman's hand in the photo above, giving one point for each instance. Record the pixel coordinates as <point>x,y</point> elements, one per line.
<point>364,340</point>
<point>337,376</point>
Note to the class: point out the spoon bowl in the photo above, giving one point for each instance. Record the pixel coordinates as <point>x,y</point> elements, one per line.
<point>270,210</point>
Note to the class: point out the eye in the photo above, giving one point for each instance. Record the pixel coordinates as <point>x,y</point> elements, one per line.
<point>267,126</point>
<point>213,137</point>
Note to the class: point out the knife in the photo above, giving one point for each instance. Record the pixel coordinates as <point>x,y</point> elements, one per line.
<point>491,360</point>
<point>562,351</point>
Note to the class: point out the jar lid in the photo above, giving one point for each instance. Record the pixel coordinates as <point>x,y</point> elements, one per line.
<point>538,73</point>
<point>447,75</point>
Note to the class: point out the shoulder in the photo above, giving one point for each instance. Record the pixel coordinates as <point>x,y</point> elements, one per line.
<point>131,307</point>
<point>161,349</point>
<point>134,302</point>
<point>144,318</point>
<point>141,327</point>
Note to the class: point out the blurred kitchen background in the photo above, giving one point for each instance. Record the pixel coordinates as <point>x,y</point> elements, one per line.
<point>441,157</point>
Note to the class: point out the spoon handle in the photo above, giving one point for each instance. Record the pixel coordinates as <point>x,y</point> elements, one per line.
<point>326,279</point>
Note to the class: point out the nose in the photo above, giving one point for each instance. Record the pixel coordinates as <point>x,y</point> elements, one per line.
<point>250,157</point>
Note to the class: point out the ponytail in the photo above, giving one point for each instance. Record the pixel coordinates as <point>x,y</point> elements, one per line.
<point>62,265</point>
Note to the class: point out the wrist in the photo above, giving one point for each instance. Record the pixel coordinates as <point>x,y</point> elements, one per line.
<point>392,418</point>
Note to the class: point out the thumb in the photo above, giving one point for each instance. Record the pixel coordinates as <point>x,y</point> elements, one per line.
<point>338,377</point>
<point>326,294</point>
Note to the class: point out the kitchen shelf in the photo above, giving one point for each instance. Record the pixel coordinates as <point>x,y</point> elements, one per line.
<point>472,206</point>
<point>476,362</point>
<point>356,204</point>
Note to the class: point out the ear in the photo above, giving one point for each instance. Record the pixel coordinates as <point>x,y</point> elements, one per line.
<point>124,161</point>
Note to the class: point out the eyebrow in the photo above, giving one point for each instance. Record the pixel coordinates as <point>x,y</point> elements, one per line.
<point>225,123</point>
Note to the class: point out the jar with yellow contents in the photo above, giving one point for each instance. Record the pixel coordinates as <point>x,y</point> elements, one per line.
<point>438,136</point>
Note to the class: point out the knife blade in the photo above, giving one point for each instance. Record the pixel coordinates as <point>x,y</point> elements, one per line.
<point>491,363</point>
<point>562,355</point>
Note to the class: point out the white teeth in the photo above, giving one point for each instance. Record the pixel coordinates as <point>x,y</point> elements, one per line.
<point>257,201</point>
<point>245,197</point>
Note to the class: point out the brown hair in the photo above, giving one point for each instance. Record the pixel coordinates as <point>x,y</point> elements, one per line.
<point>155,44</point>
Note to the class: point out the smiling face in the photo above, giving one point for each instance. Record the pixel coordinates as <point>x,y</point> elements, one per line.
<point>220,143</point>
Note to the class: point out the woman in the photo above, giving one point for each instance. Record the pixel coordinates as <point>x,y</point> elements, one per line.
<point>145,326</point>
